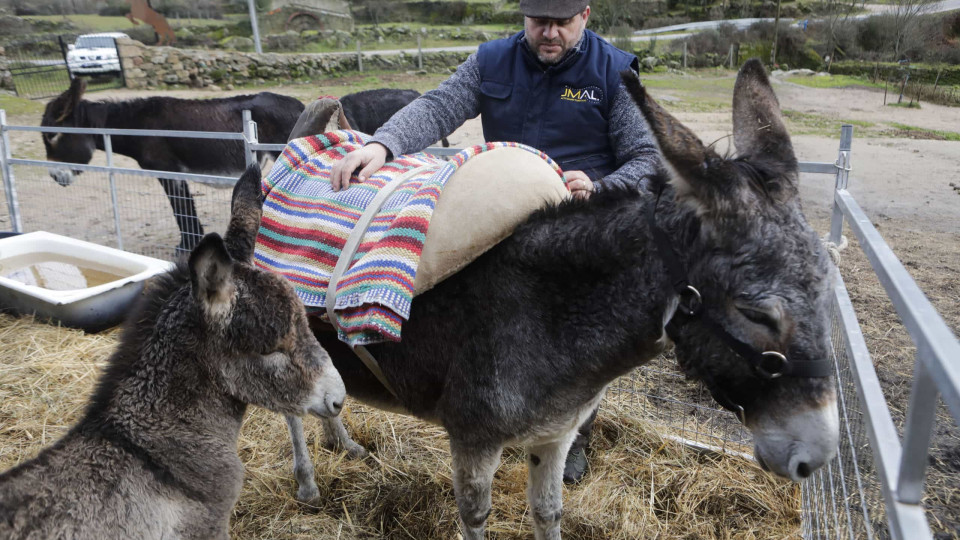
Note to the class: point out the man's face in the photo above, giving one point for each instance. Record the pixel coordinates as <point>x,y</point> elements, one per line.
<point>550,39</point>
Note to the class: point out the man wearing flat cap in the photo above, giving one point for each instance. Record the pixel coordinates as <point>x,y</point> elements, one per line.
<point>554,86</point>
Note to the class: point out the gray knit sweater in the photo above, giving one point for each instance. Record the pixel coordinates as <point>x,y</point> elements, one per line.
<point>439,112</point>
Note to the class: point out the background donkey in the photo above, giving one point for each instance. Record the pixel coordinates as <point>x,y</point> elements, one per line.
<point>155,454</point>
<point>274,114</point>
<point>519,346</point>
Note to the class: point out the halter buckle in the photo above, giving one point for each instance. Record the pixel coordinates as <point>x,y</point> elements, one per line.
<point>741,414</point>
<point>766,370</point>
<point>690,301</point>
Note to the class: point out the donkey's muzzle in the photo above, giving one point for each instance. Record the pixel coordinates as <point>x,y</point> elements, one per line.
<point>796,446</point>
<point>63,177</point>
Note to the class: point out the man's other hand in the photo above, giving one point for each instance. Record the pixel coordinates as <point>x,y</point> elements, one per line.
<point>371,157</point>
<point>579,184</point>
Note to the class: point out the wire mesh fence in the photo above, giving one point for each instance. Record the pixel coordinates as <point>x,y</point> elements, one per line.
<point>144,222</point>
<point>39,68</point>
<point>844,498</point>
<point>659,393</point>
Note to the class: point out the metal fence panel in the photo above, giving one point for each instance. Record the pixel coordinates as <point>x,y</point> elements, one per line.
<point>844,499</point>
<point>145,215</point>
<point>39,68</point>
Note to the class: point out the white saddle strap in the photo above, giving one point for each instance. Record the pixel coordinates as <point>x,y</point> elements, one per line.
<point>346,256</point>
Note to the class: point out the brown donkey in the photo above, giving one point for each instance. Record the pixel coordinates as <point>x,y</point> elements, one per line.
<point>155,454</point>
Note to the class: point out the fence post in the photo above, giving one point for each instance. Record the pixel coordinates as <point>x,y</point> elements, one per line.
<point>359,58</point>
<point>7,170</point>
<point>108,148</point>
<point>903,86</point>
<point>684,55</point>
<point>63,52</point>
<point>254,27</point>
<point>730,56</point>
<point>842,180</point>
<point>419,53</point>
<point>921,416</point>
<point>123,72</point>
<point>249,138</point>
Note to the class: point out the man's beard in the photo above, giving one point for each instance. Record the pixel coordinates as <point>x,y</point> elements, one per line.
<point>549,60</point>
<point>555,57</point>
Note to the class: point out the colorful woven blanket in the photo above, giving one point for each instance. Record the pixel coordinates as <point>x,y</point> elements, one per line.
<point>305,225</point>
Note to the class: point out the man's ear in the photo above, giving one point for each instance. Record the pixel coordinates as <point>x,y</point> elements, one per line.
<point>211,277</point>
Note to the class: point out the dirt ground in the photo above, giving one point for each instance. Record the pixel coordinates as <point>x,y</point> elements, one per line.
<point>903,184</point>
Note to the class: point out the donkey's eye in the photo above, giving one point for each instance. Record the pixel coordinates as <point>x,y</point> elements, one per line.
<point>760,317</point>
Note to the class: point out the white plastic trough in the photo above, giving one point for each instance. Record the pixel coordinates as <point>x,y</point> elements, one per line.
<point>90,308</point>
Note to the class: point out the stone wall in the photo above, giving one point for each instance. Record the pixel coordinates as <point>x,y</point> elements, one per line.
<point>151,67</point>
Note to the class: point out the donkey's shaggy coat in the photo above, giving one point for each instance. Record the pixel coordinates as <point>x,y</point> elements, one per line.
<point>155,454</point>
<point>519,346</point>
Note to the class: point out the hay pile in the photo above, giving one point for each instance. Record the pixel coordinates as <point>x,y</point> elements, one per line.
<point>640,485</point>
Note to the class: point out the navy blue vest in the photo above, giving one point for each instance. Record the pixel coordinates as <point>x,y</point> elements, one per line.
<point>562,109</point>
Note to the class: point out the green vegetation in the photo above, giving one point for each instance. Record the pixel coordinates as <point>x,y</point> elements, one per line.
<point>384,46</point>
<point>832,81</point>
<point>801,123</point>
<point>928,133</point>
<point>97,23</point>
<point>16,105</point>
<point>927,73</point>
<point>905,105</point>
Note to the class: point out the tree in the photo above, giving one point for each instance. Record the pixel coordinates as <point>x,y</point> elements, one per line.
<point>606,14</point>
<point>905,14</point>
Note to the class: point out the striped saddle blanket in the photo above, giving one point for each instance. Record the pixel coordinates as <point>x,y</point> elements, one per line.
<point>305,226</point>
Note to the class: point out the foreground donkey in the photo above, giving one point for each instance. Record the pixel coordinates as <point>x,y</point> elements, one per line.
<point>519,346</point>
<point>155,454</point>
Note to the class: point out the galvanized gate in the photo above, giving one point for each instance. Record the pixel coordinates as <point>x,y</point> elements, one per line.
<point>39,67</point>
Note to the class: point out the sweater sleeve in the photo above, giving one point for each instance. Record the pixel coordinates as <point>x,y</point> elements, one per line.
<point>434,115</point>
<point>636,152</point>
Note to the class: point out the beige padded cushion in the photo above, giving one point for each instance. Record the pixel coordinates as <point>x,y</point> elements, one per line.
<point>481,204</point>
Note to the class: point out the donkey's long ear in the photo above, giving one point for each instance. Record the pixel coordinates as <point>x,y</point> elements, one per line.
<point>758,128</point>
<point>342,119</point>
<point>319,116</point>
<point>211,276</point>
<point>67,102</point>
<point>680,147</point>
<point>682,150</point>
<point>246,208</point>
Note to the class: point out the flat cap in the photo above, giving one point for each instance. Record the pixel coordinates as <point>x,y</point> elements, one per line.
<point>552,9</point>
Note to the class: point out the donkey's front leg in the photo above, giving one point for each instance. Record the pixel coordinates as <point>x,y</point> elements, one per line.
<point>307,490</point>
<point>336,438</point>
<point>473,470</point>
<point>545,461</point>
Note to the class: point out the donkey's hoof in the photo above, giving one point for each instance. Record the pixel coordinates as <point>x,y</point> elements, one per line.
<point>355,451</point>
<point>308,495</point>
<point>352,449</point>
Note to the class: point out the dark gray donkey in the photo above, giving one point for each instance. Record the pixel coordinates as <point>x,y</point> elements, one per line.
<point>274,114</point>
<point>155,454</point>
<point>519,346</point>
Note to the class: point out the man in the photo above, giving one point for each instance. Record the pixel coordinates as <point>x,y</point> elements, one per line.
<point>556,87</point>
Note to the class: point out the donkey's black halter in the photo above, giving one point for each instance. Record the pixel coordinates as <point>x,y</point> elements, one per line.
<point>766,365</point>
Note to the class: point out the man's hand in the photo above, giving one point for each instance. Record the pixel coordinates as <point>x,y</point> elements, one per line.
<point>579,184</point>
<point>371,157</point>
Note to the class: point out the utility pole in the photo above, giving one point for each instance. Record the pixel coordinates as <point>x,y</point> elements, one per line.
<point>776,31</point>
<point>256,30</point>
